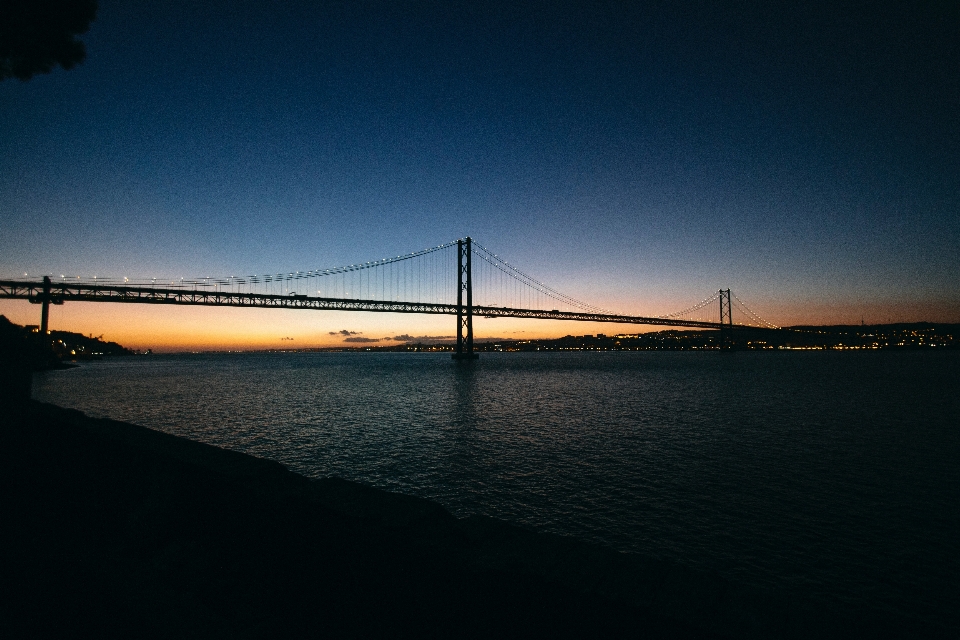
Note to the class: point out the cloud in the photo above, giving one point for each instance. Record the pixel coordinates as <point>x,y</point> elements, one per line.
<point>408,338</point>
<point>361,339</point>
<point>344,332</point>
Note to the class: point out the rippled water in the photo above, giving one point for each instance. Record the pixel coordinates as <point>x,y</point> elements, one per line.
<point>832,474</point>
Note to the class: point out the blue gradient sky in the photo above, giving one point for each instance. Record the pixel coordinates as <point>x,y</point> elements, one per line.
<point>638,156</point>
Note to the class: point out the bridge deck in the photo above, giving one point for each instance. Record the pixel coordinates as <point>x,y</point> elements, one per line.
<point>61,292</point>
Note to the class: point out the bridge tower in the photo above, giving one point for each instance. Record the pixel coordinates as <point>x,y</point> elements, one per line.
<point>726,319</point>
<point>464,312</point>
<point>44,300</point>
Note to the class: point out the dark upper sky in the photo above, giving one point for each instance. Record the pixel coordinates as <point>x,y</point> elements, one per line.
<point>636,155</point>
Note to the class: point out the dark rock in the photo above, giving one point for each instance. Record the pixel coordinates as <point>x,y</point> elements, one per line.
<point>17,359</point>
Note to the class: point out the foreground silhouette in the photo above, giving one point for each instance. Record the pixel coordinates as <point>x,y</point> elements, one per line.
<point>110,530</point>
<point>38,35</point>
<point>114,530</point>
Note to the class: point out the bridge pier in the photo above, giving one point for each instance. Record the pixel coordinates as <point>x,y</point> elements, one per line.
<point>726,320</point>
<point>45,307</point>
<point>44,298</point>
<point>464,312</point>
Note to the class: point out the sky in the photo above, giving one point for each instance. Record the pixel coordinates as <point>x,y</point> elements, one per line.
<point>637,156</point>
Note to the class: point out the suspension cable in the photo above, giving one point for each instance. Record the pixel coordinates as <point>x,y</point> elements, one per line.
<point>746,309</point>
<point>502,265</point>
<point>695,307</point>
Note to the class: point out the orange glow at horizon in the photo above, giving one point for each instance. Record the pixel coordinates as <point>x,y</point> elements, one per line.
<point>197,328</point>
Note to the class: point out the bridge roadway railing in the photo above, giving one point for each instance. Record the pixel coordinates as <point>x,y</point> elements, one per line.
<point>61,292</point>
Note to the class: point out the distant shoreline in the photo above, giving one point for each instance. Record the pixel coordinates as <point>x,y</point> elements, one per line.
<point>899,336</point>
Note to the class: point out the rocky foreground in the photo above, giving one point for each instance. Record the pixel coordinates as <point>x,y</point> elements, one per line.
<point>110,529</point>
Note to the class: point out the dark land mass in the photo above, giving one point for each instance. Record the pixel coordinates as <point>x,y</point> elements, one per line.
<point>114,530</point>
<point>921,335</point>
<point>24,347</point>
<point>76,346</point>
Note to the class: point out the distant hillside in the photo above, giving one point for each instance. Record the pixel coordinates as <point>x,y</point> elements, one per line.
<point>69,344</point>
<point>66,345</point>
<point>900,327</point>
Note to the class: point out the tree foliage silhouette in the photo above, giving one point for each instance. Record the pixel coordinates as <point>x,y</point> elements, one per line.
<point>37,35</point>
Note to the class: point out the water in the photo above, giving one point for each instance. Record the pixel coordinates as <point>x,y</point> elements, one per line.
<point>834,475</point>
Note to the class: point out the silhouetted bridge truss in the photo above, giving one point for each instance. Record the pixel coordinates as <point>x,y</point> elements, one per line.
<point>424,278</point>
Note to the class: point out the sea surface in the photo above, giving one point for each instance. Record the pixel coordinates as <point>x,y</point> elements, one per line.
<point>830,474</point>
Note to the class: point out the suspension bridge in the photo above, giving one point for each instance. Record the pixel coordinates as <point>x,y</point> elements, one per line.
<point>460,278</point>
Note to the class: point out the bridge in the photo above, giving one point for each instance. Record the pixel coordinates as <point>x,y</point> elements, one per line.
<point>419,282</point>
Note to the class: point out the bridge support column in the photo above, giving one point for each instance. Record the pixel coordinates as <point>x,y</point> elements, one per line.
<point>464,311</point>
<point>45,308</point>
<point>726,320</point>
